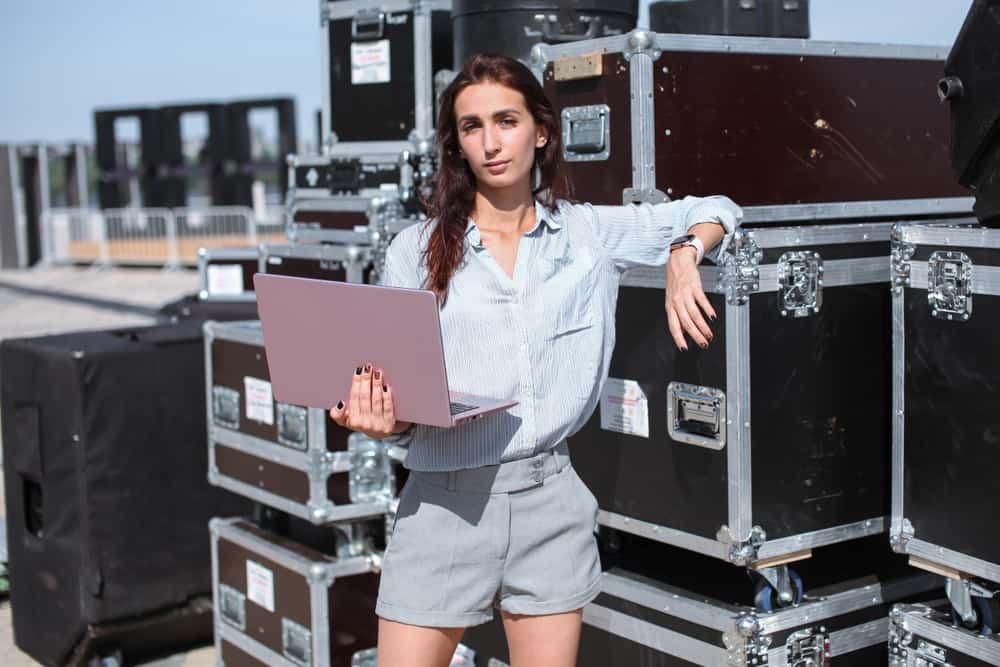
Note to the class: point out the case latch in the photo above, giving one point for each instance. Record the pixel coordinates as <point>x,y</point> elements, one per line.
<point>296,643</point>
<point>808,648</point>
<point>800,283</point>
<point>233,607</point>
<point>586,133</point>
<point>696,415</point>
<point>292,428</point>
<point>949,285</point>
<point>226,407</point>
<point>368,24</point>
<point>930,655</point>
<point>372,478</point>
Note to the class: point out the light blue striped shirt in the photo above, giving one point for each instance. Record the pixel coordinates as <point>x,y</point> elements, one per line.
<point>545,337</point>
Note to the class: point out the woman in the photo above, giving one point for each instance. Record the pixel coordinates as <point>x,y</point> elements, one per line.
<point>493,514</point>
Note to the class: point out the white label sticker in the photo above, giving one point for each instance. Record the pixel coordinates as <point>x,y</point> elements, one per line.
<point>260,401</point>
<point>260,585</point>
<point>370,62</point>
<point>224,279</point>
<point>624,408</point>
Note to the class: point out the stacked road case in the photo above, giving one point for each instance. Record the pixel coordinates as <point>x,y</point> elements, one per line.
<point>946,281</point>
<point>282,596</point>
<point>775,442</point>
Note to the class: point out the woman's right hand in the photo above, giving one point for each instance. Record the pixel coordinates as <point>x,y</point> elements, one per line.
<point>369,409</point>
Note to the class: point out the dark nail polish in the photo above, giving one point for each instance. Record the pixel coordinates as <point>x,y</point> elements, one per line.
<point>385,388</point>
<point>340,405</point>
<point>368,368</point>
<point>357,371</point>
<point>378,375</point>
<point>684,348</point>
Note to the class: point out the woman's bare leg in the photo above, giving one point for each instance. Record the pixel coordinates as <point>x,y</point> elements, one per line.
<point>401,645</point>
<point>551,640</point>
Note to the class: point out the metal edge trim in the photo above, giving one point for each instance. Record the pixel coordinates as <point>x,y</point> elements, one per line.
<point>326,110</point>
<point>845,602</point>
<point>796,47</point>
<point>887,208</point>
<point>655,277</point>
<point>739,474</point>
<point>663,534</point>
<point>985,279</point>
<point>642,117</point>
<point>340,253</point>
<point>613,44</point>
<point>243,297</point>
<point>898,412</point>
<point>653,636</point>
<point>734,44</point>
<point>347,8</point>
<point>423,76</point>
<point>676,604</point>
<point>822,537</point>
<point>948,234</point>
<point>813,235</point>
<point>858,637</point>
<point>963,641</point>
<point>336,203</point>
<point>836,273</point>
<point>247,332</point>
<point>945,556</point>
<point>352,148</point>
<point>214,525</point>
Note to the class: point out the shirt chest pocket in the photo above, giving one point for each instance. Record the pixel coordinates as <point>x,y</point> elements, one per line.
<point>568,284</point>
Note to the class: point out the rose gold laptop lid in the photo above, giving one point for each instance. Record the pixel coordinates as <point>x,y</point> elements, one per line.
<point>317,332</point>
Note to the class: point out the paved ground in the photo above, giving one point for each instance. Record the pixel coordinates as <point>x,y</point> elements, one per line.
<point>46,301</point>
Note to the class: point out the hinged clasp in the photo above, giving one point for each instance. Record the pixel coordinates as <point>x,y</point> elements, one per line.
<point>808,648</point>
<point>740,272</point>
<point>949,285</point>
<point>368,23</point>
<point>586,133</point>
<point>800,283</point>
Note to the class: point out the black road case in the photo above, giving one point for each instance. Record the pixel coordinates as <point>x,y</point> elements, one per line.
<point>280,602</point>
<point>945,465</point>
<point>657,622</point>
<point>379,60</point>
<point>923,636</point>
<point>104,474</point>
<point>288,457</point>
<point>766,121</point>
<point>776,439</point>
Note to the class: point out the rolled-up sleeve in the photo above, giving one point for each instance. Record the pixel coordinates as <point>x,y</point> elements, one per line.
<point>640,234</point>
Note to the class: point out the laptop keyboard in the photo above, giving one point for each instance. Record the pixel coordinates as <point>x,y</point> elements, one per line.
<point>459,408</point>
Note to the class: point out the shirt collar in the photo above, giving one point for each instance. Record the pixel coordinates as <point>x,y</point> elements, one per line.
<point>542,216</point>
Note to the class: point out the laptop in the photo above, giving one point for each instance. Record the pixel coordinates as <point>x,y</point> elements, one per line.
<point>317,332</point>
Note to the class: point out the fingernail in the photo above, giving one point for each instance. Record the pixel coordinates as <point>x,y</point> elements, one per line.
<point>684,348</point>
<point>357,371</point>
<point>385,388</point>
<point>340,405</point>
<point>378,375</point>
<point>712,317</point>
<point>368,368</point>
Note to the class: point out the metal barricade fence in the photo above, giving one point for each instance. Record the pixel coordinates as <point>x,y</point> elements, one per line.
<point>151,236</point>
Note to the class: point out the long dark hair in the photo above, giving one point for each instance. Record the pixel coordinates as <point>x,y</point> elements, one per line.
<point>455,185</point>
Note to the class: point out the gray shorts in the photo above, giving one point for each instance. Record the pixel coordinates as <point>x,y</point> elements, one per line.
<point>519,535</point>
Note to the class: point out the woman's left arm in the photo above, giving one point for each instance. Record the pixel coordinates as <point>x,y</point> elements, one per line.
<point>641,235</point>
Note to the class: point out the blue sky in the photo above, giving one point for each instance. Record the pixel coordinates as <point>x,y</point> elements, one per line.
<point>61,59</point>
